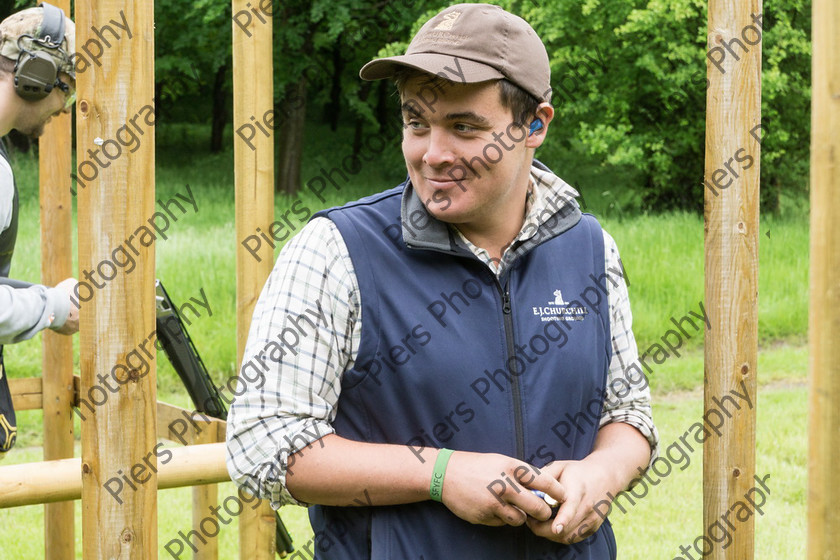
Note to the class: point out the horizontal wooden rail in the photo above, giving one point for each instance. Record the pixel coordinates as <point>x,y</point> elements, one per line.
<point>174,423</point>
<point>28,392</point>
<point>184,426</point>
<point>56,481</point>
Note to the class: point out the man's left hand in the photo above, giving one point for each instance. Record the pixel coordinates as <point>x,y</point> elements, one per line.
<point>586,483</point>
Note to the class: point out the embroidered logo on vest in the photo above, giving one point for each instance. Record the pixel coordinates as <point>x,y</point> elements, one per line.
<point>561,310</point>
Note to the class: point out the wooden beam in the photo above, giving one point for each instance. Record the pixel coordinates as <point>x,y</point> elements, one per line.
<point>253,97</point>
<point>116,196</point>
<point>55,481</point>
<point>27,393</point>
<point>733,111</point>
<point>824,321</point>
<point>173,422</point>
<point>55,166</point>
<point>205,497</point>
<point>181,425</point>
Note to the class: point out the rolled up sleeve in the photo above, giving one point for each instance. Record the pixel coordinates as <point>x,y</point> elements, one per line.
<point>627,397</point>
<point>304,334</point>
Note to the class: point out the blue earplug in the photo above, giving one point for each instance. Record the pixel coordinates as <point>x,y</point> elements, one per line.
<point>536,125</point>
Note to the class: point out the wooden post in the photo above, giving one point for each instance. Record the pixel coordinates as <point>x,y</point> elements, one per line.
<point>253,90</point>
<point>205,497</point>
<point>116,197</point>
<point>824,326</point>
<point>733,121</point>
<point>55,165</point>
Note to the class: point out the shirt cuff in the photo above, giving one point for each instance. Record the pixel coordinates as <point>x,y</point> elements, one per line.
<point>272,475</point>
<point>59,302</point>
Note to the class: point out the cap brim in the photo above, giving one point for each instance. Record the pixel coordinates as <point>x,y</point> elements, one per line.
<point>455,69</point>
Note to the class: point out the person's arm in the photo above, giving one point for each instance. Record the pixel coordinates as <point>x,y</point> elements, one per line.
<point>343,472</point>
<point>26,312</point>
<point>280,441</point>
<point>627,398</point>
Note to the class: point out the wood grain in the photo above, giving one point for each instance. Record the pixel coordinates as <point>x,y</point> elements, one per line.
<point>51,481</point>
<point>733,109</point>
<point>253,92</point>
<point>118,199</point>
<point>824,319</point>
<point>55,166</point>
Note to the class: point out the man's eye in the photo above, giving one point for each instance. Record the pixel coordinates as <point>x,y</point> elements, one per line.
<point>461,127</point>
<point>414,125</point>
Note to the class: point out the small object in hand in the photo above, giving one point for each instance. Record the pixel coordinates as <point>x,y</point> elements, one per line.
<point>552,503</point>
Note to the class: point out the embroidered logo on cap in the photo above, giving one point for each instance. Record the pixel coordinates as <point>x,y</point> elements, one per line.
<point>448,21</point>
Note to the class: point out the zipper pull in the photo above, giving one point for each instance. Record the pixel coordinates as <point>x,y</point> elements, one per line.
<point>506,302</point>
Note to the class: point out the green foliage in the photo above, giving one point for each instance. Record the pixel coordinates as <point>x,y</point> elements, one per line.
<point>327,42</point>
<point>629,79</point>
<point>192,42</point>
<point>644,107</point>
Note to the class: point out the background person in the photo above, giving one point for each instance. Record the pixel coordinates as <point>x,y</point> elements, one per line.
<point>37,82</point>
<point>381,319</point>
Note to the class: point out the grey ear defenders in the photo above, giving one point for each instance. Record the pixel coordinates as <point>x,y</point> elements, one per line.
<point>36,72</point>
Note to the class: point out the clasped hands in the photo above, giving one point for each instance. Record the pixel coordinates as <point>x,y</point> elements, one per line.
<point>495,490</point>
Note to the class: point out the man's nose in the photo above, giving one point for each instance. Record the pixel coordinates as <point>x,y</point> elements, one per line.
<point>439,150</point>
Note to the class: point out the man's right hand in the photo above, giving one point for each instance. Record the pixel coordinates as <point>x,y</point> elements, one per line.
<point>71,325</point>
<point>493,489</point>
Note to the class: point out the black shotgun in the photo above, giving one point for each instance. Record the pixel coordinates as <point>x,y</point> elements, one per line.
<point>183,356</point>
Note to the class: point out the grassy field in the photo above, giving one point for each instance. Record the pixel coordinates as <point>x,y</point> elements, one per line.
<point>663,257</point>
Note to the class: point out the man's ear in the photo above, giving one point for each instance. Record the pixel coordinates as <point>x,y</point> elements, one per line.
<point>544,114</point>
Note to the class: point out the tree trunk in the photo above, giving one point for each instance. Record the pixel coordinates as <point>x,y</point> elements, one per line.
<point>290,137</point>
<point>364,93</point>
<point>219,110</point>
<point>158,102</point>
<point>333,108</point>
<point>383,107</point>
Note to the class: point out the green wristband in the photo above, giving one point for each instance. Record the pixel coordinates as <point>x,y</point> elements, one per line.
<point>436,486</point>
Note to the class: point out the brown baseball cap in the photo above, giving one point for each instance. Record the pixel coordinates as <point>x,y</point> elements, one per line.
<point>470,43</point>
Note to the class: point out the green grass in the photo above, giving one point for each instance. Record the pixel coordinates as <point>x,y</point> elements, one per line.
<point>668,516</point>
<point>663,257</point>
<point>671,513</point>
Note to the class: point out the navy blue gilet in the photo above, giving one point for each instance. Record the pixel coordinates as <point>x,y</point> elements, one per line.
<point>450,356</point>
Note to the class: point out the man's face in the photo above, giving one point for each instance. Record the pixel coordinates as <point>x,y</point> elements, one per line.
<point>37,114</point>
<point>468,162</point>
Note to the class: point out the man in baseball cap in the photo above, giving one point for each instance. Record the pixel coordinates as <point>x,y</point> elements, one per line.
<point>458,340</point>
<point>37,82</point>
